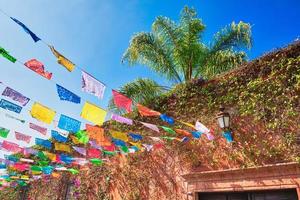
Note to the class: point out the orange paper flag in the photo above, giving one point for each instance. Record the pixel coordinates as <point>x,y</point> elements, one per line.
<point>96,133</point>
<point>183,132</point>
<point>147,112</point>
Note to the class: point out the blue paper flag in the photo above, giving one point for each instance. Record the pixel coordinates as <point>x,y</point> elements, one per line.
<point>69,124</point>
<point>66,95</point>
<point>58,137</point>
<point>196,134</point>
<point>66,159</point>
<point>167,119</point>
<point>44,143</point>
<point>47,170</point>
<point>10,106</point>
<point>228,136</point>
<point>135,137</point>
<point>119,142</point>
<point>27,30</point>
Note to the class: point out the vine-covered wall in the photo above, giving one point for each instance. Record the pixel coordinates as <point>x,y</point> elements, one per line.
<point>263,99</point>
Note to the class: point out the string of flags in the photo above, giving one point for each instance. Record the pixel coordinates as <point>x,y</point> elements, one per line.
<point>56,153</point>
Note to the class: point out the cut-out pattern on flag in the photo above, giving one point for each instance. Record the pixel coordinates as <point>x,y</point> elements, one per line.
<point>44,143</point>
<point>4,132</point>
<point>92,85</point>
<point>27,30</point>
<point>38,68</point>
<point>93,113</point>
<point>42,113</point>
<point>121,119</point>
<point>122,101</point>
<point>62,147</point>
<point>16,96</point>
<point>62,60</point>
<point>69,124</point>
<point>97,134</point>
<point>66,95</point>
<point>80,150</point>
<point>151,126</point>
<point>22,137</point>
<point>6,55</point>
<point>10,146</point>
<point>38,128</point>
<point>147,112</point>
<point>10,106</point>
<point>58,137</point>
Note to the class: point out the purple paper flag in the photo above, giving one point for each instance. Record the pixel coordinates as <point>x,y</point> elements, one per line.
<point>121,119</point>
<point>151,126</point>
<point>209,136</point>
<point>80,150</point>
<point>92,85</point>
<point>16,96</point>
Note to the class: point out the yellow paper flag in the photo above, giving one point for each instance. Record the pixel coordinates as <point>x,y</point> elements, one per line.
<point>188,124</point>
<point>119,135</point>
<point>63,60</point>
<point>62,147</point>
<point>137,144</point>
<point>42,113</point>
<point>51,156</point>
<point>93,113</point>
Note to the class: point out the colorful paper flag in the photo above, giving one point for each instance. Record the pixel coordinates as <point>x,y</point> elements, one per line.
<point>58,137</point>
<point>111,147</point>
<point>69,124</point>
<point>119,135</point>
<point>10,106</point>
<point>169,130</point>
<point>209,136</point>
<point>93,113</point>
<point>38,128</point>
<point>183,132</point>
<point>188,124</point>
<point>228,136</point>
<point>16,96</point>
<point>22,137</point>
<point>27,30</point>
<point>38,68</point>
<point>196,134</point>
<point>82,137</point>
<point>92,85</point>
<point>62,147</point>
<point>201,128</point>
<point>93,153</point>
<point>151,126</point>
<point>96,161</point>
<point>118,142</point>
<point>122,101</point>
<point>6,55</point>
<point>44,143</point>
<point>167,119</point>
<point>66,95</point>
<point>96,133</point>
<point>42,113</point>
<point>10,146</point>
<point>147,112</point>
<point>21,166</point>
<point>135,136</point>
<point>121,119</point>
<point>62,60</point>
<point>4,132</point>
<point>80,150</point>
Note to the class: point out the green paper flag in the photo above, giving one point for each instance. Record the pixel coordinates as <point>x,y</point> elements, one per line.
<point>124,149</point>
<point>168,138</point>
<point>42,156</point>
<point>36,168</point>
<point>109,153</point>
<point>6,55</point>
<point>4,132</point>
<point>169,130</point>
<point>43,163</point>
<point>82,137</point>
<point>96,161</point>
<point>73,171</point>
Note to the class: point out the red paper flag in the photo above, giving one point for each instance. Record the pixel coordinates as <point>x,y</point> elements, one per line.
<point>21,166</point>
<point>12,147</point>
<point>183,132</point>
<point>22,137</point>
<point>147,112</point>
<point>122,101</point>
<point>38,67</point>
<point>93,153</point>
<point>112,147</point>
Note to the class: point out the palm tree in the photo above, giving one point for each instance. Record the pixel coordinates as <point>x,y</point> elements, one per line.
<point>176,50</point>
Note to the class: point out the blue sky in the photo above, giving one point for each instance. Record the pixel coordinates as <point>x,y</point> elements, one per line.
<point>95,33</point>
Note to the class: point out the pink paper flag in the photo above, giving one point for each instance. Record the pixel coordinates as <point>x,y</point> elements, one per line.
<point>12,147</point>
<point>122,101</point>
<point>121,119</point>
<point>151,126</point>
<point>38,128</point>
<point>22,137</point>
